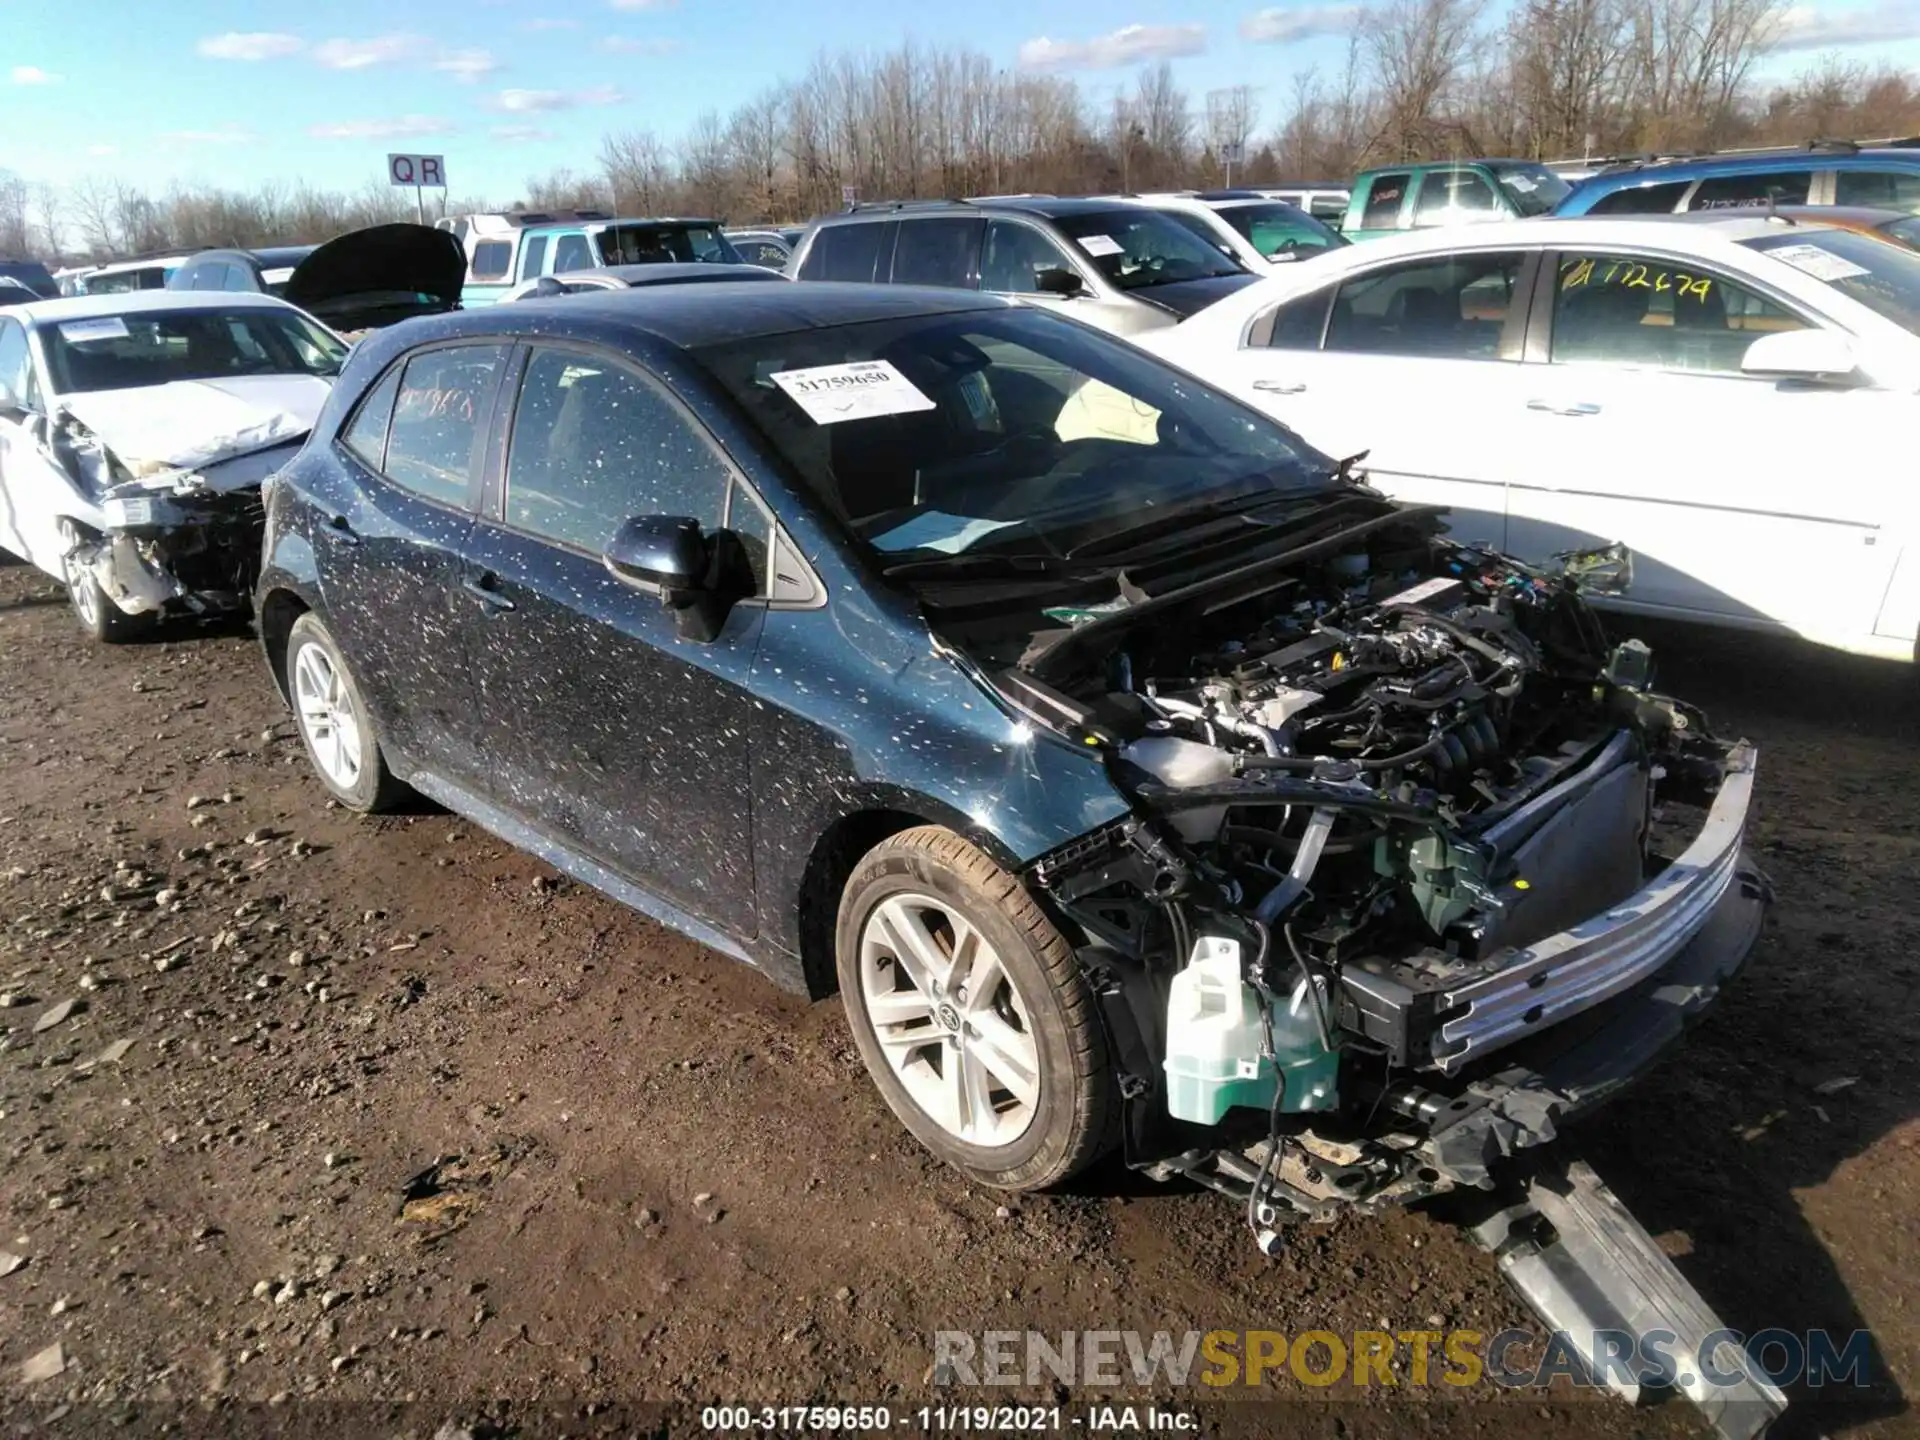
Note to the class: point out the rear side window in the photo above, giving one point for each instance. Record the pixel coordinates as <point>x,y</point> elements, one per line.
<point>1298,324</point>
<point>1882,189</point>
<point>1642,200</point>
<point>1736,192</point>
<point>843,252</point>
<point>1383,202</point>
<point>491,259</point>
<point>936,252</point>
<point>433,444</point>
<point>1447,309</point>
<point>1448,196</point>
<point>594,445</point>
<point>366,434</point>
<point>570,252</point>
<point>533,256</point>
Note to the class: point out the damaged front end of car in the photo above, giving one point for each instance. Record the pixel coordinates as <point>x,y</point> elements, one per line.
<point>1418,868</point>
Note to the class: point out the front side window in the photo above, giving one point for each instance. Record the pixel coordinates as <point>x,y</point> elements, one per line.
<point>1882,189</point>
<point>1740,192</point>
<point>1448,197</point>
<point>1452,308</point>
<point>1004,429</point>
<point>1642,199</point>
<point>122,352</point>
<point>1531,189</point>
<point>594,445</point>
<point>1382,210</point>
<point>433,447</point>
<point>936,252</point>
<point>14,361</point>
<point>1138,249</point>
<point>1662,314</point>
<point>1015,255</point>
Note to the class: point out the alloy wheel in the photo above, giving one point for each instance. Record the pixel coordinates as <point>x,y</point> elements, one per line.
<point>327,716</point>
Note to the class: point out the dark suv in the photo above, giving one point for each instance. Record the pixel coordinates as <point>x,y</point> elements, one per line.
<point>1128,769</point>
<point>1112,263</point>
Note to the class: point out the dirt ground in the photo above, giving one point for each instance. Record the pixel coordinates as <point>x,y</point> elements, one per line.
<point>662,1180</point>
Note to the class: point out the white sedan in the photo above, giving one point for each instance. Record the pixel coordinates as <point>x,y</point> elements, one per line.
<point>1726,396</point>
<point>135,432</point>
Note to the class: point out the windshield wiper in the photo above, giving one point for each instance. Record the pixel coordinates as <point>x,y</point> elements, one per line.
<point>995,565</point>
<point>1178,523</point>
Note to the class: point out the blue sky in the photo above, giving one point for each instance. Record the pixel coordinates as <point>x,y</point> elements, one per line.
<point>237,92</point>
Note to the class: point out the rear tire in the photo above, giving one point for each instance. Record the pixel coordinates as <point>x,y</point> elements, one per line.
<point>335,724</point>
<point>970,1011</point>
<point>103,620</point>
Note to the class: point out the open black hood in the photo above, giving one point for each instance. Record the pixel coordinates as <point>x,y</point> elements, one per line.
<point>1189,297</point>
<point>380,275</point>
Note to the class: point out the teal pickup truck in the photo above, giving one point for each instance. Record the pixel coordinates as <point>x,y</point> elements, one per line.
<point>504,251</point>
<point>1391,198</point>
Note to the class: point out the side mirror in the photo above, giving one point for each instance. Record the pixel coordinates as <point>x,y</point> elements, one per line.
<point>665,555</point>
<point>546,285</point>
<point>1818,355</point>
<point>1058,281</point>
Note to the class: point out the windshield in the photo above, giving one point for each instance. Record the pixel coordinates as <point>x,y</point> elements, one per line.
<point>1136,249</point>
<point>1280,231</point>
<point>1533,189</point>
<point>665,244</point>
<point>1011,431</point>
<point>125,352</point>
<point>1882,276</point>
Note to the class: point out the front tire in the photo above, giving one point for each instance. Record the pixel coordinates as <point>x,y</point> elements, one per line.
<point>971,1013</point>
<point>104,621</point>
<point>334,721</point>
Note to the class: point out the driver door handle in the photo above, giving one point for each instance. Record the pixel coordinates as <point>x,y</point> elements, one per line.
<point>1568,407</point>
<point>1280,387</point>
<point>481,588</point>
<point>341,530</point>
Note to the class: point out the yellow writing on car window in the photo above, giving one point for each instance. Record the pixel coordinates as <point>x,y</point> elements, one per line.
<point>1634,275</point>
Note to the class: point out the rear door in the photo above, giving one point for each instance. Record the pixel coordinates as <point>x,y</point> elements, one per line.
<point>1410,361</point>
<point>388,547</point>
<point>605,728</point>
<point>1642,429</point>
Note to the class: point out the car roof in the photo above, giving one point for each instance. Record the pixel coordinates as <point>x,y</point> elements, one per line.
<point>1871,216</point>
<point>269,257</point>
<point>1708,166</point>
<point>139,302</point>
<point>688,316</point>
<point>675,272</point>
<point>1052,207</point>
<point>1698,231</point>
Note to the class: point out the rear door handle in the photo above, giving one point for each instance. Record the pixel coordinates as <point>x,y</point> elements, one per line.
<point>481,588</point>
<point>1280,387</point>
<point>1555,407</point>
<point>341,530</point>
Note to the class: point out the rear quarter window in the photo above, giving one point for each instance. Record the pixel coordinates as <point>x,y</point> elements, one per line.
<point>843,252</point>
<point>491,259</point>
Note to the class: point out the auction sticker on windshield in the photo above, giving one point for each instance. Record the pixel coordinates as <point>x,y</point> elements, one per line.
<point>1101,245</point>
<point>1821,264</point>
<point>857,390</point>
<point>106,327</point>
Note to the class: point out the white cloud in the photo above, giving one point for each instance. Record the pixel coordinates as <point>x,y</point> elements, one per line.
<point>516,134</point>
<point>208,137</point>
<point>625,45</point>
<point>1821,27</point>
<point>642,4</point>
<point>1303,22</point>
<point>1128,45</point>
<point>467,66</point>
<point>360,54</point>
<point>34,75</point>
<point>401,127</point>
<point>540,102</point>
<point>250,45</point>
<point>549,23</point>
<point>103,150</point>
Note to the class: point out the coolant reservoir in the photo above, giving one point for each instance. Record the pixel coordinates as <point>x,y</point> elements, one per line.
<point>1215,1041</point>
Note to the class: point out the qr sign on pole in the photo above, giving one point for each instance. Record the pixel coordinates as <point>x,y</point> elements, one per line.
<point>430,170</point>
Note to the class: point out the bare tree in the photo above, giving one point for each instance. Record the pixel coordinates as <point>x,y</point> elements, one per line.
<point>1416,52</point>
<point>1166,120</point>
<point>1232,115</point>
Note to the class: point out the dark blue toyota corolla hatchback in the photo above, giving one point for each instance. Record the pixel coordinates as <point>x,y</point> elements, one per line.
<point>1126,764</point>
